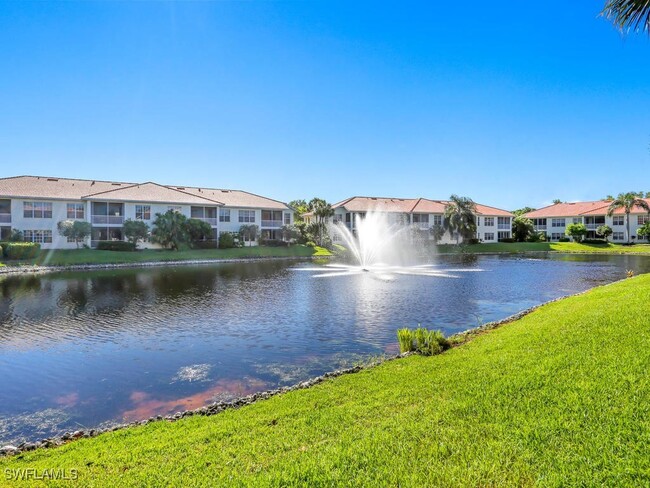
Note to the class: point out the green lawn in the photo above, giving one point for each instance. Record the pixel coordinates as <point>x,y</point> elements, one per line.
<point>568,247</point>
<point>92,256</point>
<point>558,398</point>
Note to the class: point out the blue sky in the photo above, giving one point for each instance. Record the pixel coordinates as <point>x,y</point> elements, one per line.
<point>511,103</point>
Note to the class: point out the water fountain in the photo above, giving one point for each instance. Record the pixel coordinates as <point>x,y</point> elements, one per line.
<point>382,249</point>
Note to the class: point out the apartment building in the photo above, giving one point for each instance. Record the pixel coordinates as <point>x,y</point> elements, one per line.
<point>492,223</point>
<point>35,205</point>
<point>554,219</point>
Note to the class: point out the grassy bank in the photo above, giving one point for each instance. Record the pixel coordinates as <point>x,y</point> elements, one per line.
<point>560,397</point>
<point>91,256</point>
<point>568,247</point>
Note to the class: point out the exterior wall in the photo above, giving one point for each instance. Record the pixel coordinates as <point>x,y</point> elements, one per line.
<point>483,228</point>
<point>59,213</point>
<point>618,229</point>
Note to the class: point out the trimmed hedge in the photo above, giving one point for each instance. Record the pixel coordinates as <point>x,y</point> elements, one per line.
<point>273,243</point>
<point>21,250</point>
<point>593,241</point>
<point>115,246</point>
<point>205,245</point>
<point>508,239</point>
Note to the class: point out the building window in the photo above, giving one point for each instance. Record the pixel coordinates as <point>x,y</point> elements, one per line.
<point>488,222</point>
<point>247,216</point>
<point>618,236</point>
<point>143,212</point>
<point>224,215</point>
<point>75,210</point>
<point>556,236</point>
<point>642,219</point>
<point>37,210</point>
<point>618,220</point>
<point>40,236</point>
<point>175,208</point>
<point>577,220</point>
<point>539,223</point>
<point>504,235</point>
<point>437,220</point>
<point>504,223</point>
<point>287,218</point>
<point>557,222</point>
<point>420,218</point>
<point>489,236</point>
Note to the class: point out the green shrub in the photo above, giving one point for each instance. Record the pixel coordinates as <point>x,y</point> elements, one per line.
<point>21,250</point>
<point>405,339</point>
<point>205,245</point>
<point>310,244</point>
<point>226,240</point>
<point>593,241</point>
<point>507,239</point>
<point>472,241</point>
<point>1,252</point>
<point>564,239</point>
<point>115,246</point>
<point>273,243</point>
<point>426,342</point>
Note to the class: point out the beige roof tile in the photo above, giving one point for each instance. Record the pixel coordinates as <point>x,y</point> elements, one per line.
<point>236,198</point>
<point>408,205</point>
<point>54,188</point>
<point>151,192</point>
<point>77,189</point>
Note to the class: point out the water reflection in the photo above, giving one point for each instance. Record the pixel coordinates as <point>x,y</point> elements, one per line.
<point>94,348</point>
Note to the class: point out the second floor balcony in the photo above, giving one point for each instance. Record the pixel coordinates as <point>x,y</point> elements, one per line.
<point>107,219</point>
<point>272,223</point>
<point>5,218</point>
<point>213,221</point>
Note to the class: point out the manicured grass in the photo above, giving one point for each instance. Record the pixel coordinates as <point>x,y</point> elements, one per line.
<point>558,398</point>
<point>567,247</point>
<point>92,256</point>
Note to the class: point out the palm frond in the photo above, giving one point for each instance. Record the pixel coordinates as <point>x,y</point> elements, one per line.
<point>629,14</point>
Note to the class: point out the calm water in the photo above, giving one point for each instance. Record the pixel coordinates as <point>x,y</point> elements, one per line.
<point>81,350</point>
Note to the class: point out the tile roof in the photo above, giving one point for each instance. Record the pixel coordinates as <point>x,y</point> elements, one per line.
<point>77,189</point>
<point>54,188</point>
<point>151,192</point>
<point>408,205</point>
<point>574,209</point>
<point>236,198</point>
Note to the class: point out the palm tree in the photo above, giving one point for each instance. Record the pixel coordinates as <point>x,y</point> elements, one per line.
<point>627,201</point>
<point>629,14</point>
<point>459,217</point>
<point>322,211</point>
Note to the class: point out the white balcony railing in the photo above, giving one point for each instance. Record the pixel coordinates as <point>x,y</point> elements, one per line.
<point>108,219</point>
<point>540,227</point>
<point>5,218</point>
<point>271,223</point>
<point>505,226</point>
<point>210,220</point>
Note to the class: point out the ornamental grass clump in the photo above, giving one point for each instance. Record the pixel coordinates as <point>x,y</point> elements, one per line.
<point>405,338</point>
<point>424,341</point>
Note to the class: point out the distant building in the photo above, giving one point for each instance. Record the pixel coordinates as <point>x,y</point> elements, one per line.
<point>553,220</point>
<point>492,223</point>
<point>35,204</point>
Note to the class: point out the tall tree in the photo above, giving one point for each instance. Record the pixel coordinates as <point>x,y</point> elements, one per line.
<point>77,230</point>
<point>556,201</point>
<point>629,14</point>
<point>170,229</point>
<point>522,228</point>
<point>322,211</point>
<point>135,230</point>
<point>627,201</point>
<point>460,217</point>
<point>521,211</point>
<point>300,207</point>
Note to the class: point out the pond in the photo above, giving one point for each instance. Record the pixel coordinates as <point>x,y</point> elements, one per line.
<point>91,349</point>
